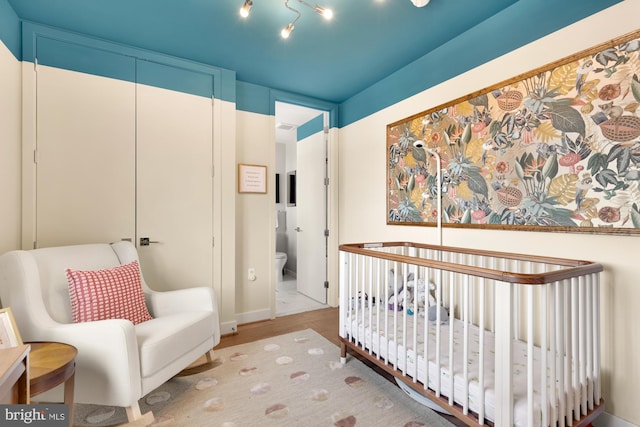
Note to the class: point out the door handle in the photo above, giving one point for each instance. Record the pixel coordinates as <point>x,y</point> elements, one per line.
<point>145,241</point>
<point>298,229</point>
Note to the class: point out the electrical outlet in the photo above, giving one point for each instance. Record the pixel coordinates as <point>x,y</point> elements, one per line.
<point>251,275</point>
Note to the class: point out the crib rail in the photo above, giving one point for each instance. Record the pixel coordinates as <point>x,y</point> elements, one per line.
<point>521,345</point>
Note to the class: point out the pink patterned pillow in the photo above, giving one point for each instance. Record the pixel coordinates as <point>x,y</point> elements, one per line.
<point>114,293</point>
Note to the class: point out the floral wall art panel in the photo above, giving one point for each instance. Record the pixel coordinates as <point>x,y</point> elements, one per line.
<point>556,149</point>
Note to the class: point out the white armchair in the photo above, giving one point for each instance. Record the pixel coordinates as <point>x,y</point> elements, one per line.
<point>118,362</point>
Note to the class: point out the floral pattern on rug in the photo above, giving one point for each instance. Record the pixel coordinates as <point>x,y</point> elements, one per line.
<point>289,380</point>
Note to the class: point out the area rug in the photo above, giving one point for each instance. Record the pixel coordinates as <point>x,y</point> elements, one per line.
<point>289,380</point>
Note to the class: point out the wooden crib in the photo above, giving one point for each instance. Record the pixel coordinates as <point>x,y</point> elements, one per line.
<point>467,309</point>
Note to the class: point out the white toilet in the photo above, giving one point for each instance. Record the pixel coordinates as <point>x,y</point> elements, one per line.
<point>281,260</point>
<point>281,244</point>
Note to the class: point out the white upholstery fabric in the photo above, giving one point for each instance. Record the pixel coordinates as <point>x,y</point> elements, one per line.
<point>117,362</point>
<point>163,339</point>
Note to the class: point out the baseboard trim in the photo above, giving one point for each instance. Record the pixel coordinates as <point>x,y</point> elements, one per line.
<point>608,420</point>
<point>253,316</point>
<point>228,328</point>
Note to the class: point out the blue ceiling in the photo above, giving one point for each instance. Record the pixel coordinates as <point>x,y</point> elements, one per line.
<point>332,61</point>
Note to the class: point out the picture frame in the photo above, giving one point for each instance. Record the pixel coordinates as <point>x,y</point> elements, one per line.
<point>9,333</point>
<point>556,149</point>
<point>252,178</point>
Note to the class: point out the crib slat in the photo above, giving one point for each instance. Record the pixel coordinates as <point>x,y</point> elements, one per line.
<point>379,279</point>
<point>452,390</point>
<point>438,336</point>
<point>427,279</point>
<point>415,325</point>
<point>405,343</point>
<point>366,303</point>
<point>575,350</point>
<point>504,353</point>
<point>530,340</point>
<point>481,350</point>
<point>590,333</point>
<point>465,349</point>
<point>554,339</point>
<point>544,354</point>
<point>392,338</point>
<point>568,354</point>
<point>596,344</point>
<point>386,303</point>
<point>582,344</point>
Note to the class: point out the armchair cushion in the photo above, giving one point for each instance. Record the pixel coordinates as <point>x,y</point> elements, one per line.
<point>163,339</point>
<point>114,293</point>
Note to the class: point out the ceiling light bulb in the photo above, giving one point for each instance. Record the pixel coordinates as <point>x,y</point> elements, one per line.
<point>246,7</point>
<point>420,3</point>
<point>326,13</point>
<point>287,31</point>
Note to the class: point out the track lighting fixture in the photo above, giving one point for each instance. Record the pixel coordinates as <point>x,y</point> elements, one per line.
<point>286,32</point>
<point>246,7</point>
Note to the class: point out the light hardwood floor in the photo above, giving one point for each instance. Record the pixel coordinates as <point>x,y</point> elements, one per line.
<point>324,321</point>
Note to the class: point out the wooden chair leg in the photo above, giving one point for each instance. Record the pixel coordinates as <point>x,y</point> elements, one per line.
<point>137,418</point>
<point>209,356</point>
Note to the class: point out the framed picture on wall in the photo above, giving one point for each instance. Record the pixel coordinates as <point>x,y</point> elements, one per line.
<point>252,178</point>
<point>555,149</point>
<point>9,334</point>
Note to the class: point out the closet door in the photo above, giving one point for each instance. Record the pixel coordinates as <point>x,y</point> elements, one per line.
<point>175,176</point>
<point>85,157</point>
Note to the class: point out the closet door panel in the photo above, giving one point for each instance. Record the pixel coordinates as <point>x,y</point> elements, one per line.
<point>175,184</point>
<point>85,167</point>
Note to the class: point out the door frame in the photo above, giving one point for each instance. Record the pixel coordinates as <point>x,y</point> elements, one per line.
<point>333,276</point>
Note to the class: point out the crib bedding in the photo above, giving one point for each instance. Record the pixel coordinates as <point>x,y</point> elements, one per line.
<point>373,329</point>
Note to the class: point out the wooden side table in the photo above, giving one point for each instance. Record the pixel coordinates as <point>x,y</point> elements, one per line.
<point>14,375</point>
<point>51,364</point>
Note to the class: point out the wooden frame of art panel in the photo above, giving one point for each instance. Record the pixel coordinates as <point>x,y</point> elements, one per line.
<point>555,149</point>
<point>9,333</point>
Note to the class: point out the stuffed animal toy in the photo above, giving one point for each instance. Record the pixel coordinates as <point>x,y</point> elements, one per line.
<point>402,298</point>
<point>433,308</point>
<point>419,297</point>
<point>432,289</point>
<point>404,295</point>
<point>433,314</point>
<point>391,283</point>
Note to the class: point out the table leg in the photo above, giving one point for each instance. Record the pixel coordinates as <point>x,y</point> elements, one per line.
<point>68,395</point>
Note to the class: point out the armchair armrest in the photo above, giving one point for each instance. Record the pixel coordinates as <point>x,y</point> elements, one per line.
<point>107,355</point>
<point>178,301</point>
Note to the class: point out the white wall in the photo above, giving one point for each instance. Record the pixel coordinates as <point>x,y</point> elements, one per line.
<point>224,212</point>
<point>255,144</point>
<point>10,150</point>
<point>362,203</point>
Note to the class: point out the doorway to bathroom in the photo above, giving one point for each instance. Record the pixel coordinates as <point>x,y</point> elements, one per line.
<point>301,208</point>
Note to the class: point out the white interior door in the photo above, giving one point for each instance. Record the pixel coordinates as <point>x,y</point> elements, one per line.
<point>119,160</point>
<point>311,215</point>
<point>175,188</point>
<point>85,167</point>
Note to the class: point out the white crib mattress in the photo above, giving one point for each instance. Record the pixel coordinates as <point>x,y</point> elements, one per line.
<point>379,337</point>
